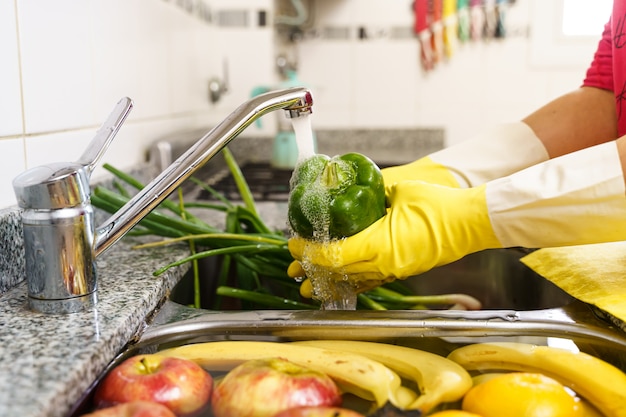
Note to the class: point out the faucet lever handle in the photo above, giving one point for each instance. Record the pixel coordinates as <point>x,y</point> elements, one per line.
<point>99,144</point>
<point>60,185</point>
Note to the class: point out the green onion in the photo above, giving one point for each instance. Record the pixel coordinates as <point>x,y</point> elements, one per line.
<point>263,299</point>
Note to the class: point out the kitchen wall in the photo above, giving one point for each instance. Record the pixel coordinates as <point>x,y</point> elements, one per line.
<point>378,81</point>
<point>66,63</point>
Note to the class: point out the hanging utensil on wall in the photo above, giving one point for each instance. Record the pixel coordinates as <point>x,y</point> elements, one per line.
<point>463,20</point>
<point>477,19</point>
<point>501,9</point>
<point>422,29</point>
<point>436,26</point>
<point>450,27</point>
<point>491,18</point>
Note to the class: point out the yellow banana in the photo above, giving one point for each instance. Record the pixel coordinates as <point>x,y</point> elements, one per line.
<point>353,373</point>
<point>438,378</point>
<point>599,382</point>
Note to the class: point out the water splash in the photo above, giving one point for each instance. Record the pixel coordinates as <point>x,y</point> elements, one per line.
<point>333,292</point>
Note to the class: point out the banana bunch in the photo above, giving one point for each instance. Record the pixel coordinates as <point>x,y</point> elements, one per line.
<point>372,371</point>
<point>356,374</point>
<point>439,379</point>
<point>599,382</point>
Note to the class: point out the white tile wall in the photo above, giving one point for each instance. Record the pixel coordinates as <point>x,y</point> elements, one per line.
<point>67,62</point>
<point>10,105</point>
<point>12,156</point>
<point>55,43</point>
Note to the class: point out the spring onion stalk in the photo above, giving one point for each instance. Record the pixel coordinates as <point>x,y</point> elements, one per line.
<point>265,299</point>
<point>458,301</point>
<point>369,303</point>
<point>212,252</point>
<point>213,192</point>
<point>242,185</point>
<point>222,279</point>
<point>208,237</point>
<point>192,248</point>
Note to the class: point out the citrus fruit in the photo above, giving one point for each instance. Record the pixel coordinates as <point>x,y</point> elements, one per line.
<point>453,413</point>
<point>521,394</point>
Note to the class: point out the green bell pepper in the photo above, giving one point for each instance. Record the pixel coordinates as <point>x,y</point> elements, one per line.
<point>335,197</point>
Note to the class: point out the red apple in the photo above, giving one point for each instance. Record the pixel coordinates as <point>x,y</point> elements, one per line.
<point>180,384</point>
<point>134,409</point>
<point>321,411</point>
<point>264,387</point>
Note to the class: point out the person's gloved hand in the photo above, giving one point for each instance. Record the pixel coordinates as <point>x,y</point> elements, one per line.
<point>579,198</point>
<point>426,225</point>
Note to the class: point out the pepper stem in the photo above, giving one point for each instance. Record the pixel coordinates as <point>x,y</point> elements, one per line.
<point>336,175</point>
<point>329,178</point>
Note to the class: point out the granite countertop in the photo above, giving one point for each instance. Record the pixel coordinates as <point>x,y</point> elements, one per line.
<point>47,362</point>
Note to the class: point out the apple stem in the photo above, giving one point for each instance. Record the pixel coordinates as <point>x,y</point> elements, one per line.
<point>146,365</point>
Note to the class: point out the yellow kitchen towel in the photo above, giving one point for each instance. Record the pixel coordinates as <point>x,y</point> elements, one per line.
<point>595,274</point>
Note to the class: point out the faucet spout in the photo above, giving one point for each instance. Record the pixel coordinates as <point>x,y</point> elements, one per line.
<point>295,101</point>
<point>61,242</point>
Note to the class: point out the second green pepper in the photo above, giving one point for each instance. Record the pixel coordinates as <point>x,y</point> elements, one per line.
<point>335,197</point>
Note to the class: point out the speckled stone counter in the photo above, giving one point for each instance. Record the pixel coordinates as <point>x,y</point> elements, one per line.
<point>48,361</point>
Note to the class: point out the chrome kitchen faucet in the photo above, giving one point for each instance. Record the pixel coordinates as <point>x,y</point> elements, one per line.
<point>61,242</point>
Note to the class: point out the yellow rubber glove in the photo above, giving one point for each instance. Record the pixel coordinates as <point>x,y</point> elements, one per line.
<point>424,169</point>
<point>579,198</point>
<point>426,225</point>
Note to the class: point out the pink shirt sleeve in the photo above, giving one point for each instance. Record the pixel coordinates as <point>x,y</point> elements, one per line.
<point>600,73</point>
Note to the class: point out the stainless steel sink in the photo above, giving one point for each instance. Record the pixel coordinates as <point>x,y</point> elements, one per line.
<point>574,327</point>
<point>495,277</point>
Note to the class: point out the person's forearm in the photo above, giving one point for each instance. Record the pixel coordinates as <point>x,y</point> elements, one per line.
<point>575,121</point>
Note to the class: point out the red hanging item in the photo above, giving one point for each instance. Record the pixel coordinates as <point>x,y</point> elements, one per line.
<point>424,35</point>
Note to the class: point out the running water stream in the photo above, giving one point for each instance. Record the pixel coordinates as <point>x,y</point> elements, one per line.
<point>304,136</point>
<point>334,292</point>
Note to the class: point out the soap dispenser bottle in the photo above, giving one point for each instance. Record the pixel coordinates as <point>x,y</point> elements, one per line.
<point>285,145</point>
